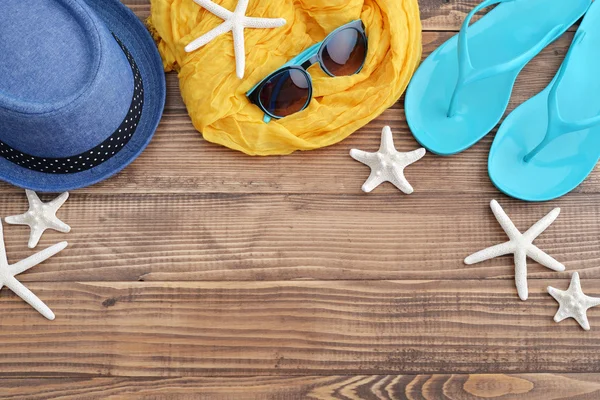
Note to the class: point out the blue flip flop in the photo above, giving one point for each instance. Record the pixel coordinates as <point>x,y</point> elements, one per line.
<point>547,146</point>
<point>460,92</point>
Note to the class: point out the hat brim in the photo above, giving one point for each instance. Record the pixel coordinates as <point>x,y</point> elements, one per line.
<point>131,31</point>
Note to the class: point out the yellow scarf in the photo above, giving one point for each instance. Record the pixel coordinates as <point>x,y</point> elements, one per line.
<point>215,97</point>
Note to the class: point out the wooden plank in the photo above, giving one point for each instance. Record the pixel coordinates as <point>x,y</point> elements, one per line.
<point>179,160</point>
<point>278,237</point>
<point>141,8</point>
<point>264,328</point>
<point>445,15</point>
<point>364,387</point>
<point>188,210</point>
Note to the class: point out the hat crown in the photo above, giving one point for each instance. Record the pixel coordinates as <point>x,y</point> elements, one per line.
<point>40,40</point>
<point>65,84</point>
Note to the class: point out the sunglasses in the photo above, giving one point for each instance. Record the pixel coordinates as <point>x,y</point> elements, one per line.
<point>289,89</point>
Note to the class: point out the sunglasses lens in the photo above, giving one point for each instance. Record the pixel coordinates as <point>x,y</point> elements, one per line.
<point>345,52</point>
<point>285,93</point>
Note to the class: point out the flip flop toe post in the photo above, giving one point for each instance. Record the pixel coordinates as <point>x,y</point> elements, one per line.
<point>460,92</point>
<point>547,146</point>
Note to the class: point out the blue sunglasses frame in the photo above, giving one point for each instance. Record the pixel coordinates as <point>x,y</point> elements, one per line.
<point>302,62</point>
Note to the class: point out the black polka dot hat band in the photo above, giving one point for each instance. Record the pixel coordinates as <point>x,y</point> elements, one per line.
<point>82,91</point>
<point>102,152</point>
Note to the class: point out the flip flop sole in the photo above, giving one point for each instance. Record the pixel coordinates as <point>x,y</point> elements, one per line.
<point>565,162</point>
<point>505,33</point>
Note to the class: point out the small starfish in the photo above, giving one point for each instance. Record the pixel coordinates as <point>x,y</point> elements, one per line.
<point>520,245</point>
<point>8,272</point>
<point>235,22</point>
<point>387,164</point>
<point>573,303</point>
<point>41,216</point>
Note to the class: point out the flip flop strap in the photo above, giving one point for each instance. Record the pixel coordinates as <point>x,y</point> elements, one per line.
<point>467,73</point>
<point>557,125</point>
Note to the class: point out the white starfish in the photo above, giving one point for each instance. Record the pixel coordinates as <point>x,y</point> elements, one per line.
<point>387,164</point>
<point>235,22</point>
<point>521,245</point>
<point>573,303</point>
<point>8,272</point>
<point>41,216</point>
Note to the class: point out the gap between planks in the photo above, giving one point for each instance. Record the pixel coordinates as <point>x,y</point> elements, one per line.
<point>364,387</point>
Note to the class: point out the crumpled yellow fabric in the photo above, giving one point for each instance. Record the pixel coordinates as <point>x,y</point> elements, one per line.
<point>215,97</point>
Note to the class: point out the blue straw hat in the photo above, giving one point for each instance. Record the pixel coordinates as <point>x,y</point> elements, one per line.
<point>82,90</point>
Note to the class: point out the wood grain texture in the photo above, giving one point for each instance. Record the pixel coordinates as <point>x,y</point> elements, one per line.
<point>281,237</point>
<point>445,15</point>
<point>199,272</point>
<point>340,387</point>
<point>263,328</point>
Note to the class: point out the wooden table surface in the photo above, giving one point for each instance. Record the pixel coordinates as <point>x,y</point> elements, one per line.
<point>202,272</point>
